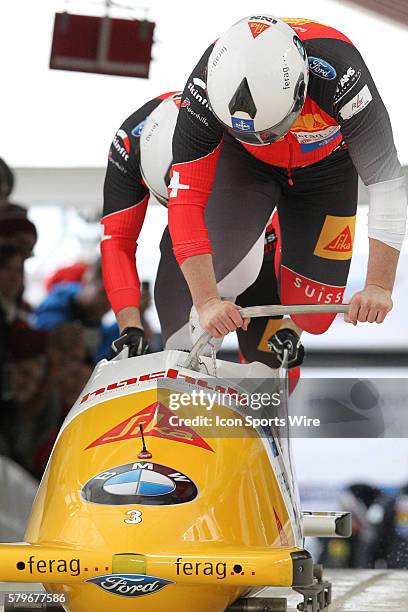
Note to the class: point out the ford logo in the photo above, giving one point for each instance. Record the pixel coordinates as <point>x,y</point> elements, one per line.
<point>322,69</point>
<point>130,585</point>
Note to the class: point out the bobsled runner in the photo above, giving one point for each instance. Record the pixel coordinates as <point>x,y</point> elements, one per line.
<point>146,506</point>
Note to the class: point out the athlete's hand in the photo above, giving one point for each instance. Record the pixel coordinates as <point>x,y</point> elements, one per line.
<point>220,317</point>
<point>372,304</point>
<point>134,338</point>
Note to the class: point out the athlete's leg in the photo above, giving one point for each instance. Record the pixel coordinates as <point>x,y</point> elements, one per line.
<point>253,343</point>
<point>264,291</point>
<point>317,220</point>
<point>243,197</point>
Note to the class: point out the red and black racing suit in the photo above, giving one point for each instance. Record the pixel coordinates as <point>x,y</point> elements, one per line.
<point>125,201</point>
<point>230,189</point>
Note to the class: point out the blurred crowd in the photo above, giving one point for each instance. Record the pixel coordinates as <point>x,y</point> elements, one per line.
<point>46,354</point>
<point>380,530</point>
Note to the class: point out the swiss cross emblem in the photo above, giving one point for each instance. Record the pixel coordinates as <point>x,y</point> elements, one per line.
<point>175,185</point>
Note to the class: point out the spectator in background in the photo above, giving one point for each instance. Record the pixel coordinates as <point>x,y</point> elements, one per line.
<point>6,182</point>
<point>392,548</point>
<point>11,281</point>
<point>49,376</point>
<point>17,239</point>
<point>12,317</point>
<point>17,229</point>
<point>85,302</point>
<point>67,274</point>
<point>29,387</point>
<point>11,285</point>
<point>365,547</point>
<point>41,372</point>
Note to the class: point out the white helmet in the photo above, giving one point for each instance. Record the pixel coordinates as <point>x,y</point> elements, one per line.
<point>156,155</point>
<point>257,78</point>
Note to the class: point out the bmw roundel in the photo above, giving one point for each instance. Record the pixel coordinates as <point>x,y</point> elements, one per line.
<point>143,483</point>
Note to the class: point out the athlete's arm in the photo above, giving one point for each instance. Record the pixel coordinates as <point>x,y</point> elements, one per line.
<point>369,137</point>
<point>367,131</point>
<point>218,317</point>
<point>373,303</point>
<point>196,148</point>
<point>125,202</point>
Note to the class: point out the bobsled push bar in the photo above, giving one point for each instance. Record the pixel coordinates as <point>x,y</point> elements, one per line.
<point>265,311</point>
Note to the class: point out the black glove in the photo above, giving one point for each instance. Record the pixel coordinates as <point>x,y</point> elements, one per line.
<point>134,338</point>
<point>287,339</point>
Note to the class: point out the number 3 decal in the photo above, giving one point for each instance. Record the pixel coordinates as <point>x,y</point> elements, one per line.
<point>135,517</point>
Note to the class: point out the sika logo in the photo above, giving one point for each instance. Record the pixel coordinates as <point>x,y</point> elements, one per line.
<point>257,27</point>
<point>336,238</point>
<point>155,420</point>
<point>259,23</point>
<point>342,242</point>
<point>130,585</point>
<point>121,143</point>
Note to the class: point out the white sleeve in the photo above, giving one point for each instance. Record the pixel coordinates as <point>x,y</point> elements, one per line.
<point>387,213</point>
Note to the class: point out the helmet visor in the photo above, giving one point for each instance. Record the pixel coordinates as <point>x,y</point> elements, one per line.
<point>277,131</point>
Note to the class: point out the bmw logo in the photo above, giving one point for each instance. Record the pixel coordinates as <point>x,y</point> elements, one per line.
<point>143,483</point>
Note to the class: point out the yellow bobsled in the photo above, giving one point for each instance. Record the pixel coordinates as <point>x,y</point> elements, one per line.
<point>145,505</point>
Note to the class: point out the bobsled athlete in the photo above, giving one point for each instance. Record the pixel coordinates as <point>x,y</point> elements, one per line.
<point>139,163</point>
<point>278,114</point>
<point>135,171</point>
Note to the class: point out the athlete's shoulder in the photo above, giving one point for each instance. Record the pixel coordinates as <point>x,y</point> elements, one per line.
<point>335,64</point>
<point>134,123</point>
<point>124,151</point>
<point>308,29</point>
<point>331,54</point>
